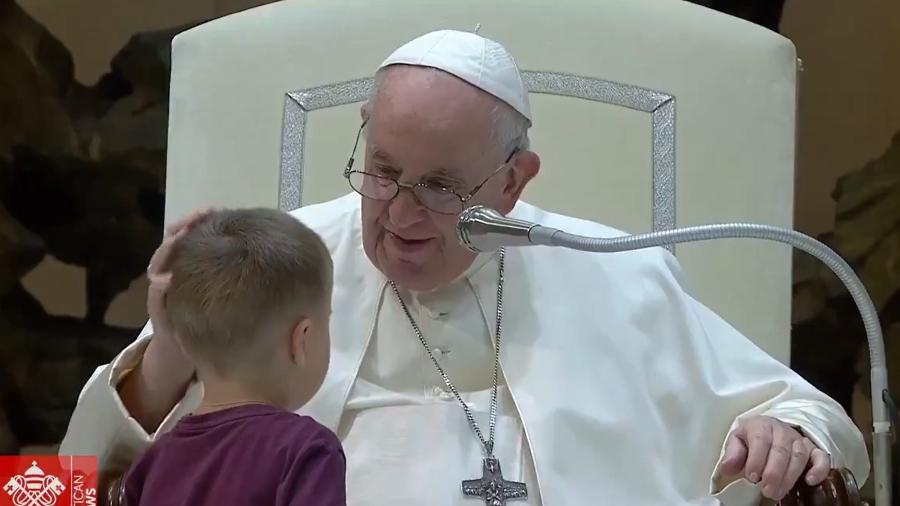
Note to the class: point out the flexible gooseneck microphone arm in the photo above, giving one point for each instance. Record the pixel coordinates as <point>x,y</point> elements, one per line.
<point>482,229</point>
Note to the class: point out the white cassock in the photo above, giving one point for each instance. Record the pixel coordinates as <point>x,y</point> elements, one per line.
<point>617,386</point>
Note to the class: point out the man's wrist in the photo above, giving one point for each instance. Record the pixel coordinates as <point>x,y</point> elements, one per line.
<point>165,361</point>
<point>155,383</point>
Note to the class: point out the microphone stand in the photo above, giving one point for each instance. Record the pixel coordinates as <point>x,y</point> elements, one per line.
<point>483,229</point>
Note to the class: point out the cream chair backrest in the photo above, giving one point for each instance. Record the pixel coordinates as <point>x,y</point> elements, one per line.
<point>648,114</point>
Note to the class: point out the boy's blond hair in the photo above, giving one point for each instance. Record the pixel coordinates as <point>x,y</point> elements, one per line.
<point>235,275</point>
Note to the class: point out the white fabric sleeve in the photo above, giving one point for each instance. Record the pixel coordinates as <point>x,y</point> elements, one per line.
<point>789,398</point>
<point>751,382</point>
<point>101,425</point>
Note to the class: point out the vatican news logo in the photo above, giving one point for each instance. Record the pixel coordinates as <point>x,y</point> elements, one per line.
<point>48,480</point>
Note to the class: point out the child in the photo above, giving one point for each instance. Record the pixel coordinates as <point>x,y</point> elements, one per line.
<point>250,303</point>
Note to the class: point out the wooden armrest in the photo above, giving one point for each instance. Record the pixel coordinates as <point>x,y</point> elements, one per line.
<point>109,485</point>
<point>838,489</point>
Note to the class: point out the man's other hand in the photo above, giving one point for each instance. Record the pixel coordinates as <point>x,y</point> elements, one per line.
<point>774,455</point>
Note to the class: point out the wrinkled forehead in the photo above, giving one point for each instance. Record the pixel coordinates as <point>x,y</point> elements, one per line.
<point>421,116</point>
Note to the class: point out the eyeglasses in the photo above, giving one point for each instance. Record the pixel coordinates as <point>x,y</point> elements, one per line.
<point>432,196</point>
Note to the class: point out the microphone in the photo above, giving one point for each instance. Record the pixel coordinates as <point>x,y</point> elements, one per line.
<point>481,229</point>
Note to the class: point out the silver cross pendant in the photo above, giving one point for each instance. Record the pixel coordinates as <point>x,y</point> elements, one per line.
<point>492,487</point>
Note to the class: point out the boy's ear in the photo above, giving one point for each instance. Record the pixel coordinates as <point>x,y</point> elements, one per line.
<point>299,341</point>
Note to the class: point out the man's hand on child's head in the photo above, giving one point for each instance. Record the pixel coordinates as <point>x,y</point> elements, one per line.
<point>159,276</point>
<point>151,391</point>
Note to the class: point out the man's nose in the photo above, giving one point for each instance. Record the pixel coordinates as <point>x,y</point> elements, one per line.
<point>405,210</point>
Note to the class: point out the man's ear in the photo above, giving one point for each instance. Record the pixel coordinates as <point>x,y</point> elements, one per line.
<point>299,341</point>
<point>525,166</point>
<point>365,111</point>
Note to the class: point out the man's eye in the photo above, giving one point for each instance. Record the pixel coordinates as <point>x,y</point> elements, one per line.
<point>385,171</point>
<point>441,186</point>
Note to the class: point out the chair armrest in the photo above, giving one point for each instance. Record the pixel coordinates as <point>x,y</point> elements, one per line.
<point>109,486</point>
<point>838,489</point>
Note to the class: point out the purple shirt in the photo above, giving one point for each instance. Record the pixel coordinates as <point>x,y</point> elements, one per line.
<point>252,454</point>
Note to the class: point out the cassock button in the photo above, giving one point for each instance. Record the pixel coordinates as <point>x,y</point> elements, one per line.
<point>434,314</point>
<point>442,393</point>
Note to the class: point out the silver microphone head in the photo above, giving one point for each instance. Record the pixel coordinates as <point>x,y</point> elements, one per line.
<point>482,229</point>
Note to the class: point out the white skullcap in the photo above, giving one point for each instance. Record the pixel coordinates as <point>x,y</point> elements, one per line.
<point>480,62</point>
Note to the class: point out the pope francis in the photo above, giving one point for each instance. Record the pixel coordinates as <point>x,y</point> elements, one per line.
<point>529,376</point>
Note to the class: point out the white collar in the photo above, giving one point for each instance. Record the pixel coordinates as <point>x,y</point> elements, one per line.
<point>440,297</point>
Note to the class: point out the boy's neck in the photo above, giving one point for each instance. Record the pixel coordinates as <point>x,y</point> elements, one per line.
<point>221,393</point>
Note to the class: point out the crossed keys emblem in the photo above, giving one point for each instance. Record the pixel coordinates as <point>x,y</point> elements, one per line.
<point>34,488</point>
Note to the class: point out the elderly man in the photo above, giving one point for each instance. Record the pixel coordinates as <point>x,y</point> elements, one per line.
<point>590,379</point>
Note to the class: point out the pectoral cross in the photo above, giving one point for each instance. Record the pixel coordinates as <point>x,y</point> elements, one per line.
<point>492,487</point>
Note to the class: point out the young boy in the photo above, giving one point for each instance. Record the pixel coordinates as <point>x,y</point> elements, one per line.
<point>249,302</point>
